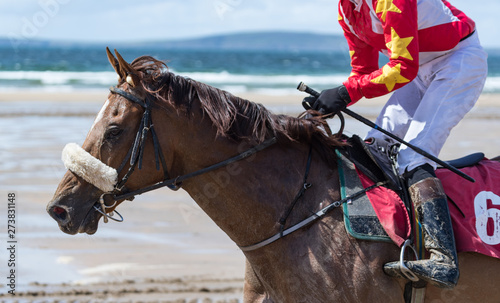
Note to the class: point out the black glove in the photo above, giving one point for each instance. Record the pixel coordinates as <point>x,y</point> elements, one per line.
<point>331,100</point>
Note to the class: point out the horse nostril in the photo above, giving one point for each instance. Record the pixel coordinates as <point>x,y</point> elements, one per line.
<point>60,213</point>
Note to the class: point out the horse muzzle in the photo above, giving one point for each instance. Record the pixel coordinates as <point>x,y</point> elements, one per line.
<point>100,177</point>
<point>71,218</point>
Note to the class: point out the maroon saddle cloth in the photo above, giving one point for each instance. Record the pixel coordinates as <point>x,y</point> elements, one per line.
<point>474,208</point>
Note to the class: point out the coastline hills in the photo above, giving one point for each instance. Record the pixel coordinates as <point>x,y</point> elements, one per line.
<point>251,41</point>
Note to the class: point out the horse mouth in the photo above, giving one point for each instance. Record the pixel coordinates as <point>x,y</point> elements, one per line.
<point>90,223</point>
<point>73,225</point>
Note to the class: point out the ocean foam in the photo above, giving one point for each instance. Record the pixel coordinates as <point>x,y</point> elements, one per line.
<point>274,84</point>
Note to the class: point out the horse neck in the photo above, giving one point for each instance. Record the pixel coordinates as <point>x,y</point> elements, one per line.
<point>247,198</point>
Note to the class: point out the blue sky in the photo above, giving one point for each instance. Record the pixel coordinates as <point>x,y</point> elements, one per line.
<point>126,20</point>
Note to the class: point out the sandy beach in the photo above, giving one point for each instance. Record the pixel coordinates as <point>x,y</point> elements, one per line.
<point>167,249</point>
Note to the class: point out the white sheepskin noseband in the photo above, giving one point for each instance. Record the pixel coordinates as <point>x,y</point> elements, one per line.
<point>91,169</point>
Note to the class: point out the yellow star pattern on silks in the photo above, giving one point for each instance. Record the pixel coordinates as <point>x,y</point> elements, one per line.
<point>351,53</point>
<point>385,6</point>
<point>399,46</point>
<point>390,76</point>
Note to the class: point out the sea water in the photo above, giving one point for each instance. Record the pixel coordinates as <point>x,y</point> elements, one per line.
<point>271,72</point>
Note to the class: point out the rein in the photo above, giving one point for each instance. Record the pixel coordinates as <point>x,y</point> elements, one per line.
<point>135,155</point>
<point>176,183</point>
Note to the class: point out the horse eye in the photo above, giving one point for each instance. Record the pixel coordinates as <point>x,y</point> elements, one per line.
<point>113,132</point>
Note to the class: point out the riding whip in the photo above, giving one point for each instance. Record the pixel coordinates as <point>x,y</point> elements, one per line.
<point>304,88</point>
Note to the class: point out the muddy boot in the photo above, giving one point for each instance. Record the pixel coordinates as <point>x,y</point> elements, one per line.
<point>431,208</point>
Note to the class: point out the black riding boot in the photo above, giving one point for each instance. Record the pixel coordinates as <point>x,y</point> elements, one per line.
<point>431,207</point>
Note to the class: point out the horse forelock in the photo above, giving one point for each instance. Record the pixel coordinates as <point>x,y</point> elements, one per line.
<point>232,116</point>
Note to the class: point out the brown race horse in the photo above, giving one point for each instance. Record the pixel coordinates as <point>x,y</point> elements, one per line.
<point>197,126</point>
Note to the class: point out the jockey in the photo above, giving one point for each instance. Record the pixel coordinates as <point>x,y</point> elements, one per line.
<point>436,72</point>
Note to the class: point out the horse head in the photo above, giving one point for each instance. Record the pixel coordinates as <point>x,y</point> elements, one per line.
<point>97,169</point>
<point>195,124</point>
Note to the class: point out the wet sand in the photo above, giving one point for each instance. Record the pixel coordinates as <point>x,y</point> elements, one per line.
<point>167,250</point>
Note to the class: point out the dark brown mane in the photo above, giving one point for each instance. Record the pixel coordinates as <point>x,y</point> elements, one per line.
<point>233,117</point>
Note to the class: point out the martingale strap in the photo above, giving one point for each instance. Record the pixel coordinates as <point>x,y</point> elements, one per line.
<point>314,217</point>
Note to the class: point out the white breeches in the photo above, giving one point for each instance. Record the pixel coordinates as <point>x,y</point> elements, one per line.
<point>424,111</point>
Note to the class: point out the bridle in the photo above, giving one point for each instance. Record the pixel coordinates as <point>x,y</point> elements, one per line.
<point>136,153</point>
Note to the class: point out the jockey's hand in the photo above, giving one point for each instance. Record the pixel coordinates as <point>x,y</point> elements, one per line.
<point>331,100</point>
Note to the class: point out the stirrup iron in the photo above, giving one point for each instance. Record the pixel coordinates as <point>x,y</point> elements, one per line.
<point>405,271</point>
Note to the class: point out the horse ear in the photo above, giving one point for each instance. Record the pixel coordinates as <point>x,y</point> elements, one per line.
<point>126,70</point>
<point>114,63</point>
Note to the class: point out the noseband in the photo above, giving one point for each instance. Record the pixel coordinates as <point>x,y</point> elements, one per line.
<point>136,153</point>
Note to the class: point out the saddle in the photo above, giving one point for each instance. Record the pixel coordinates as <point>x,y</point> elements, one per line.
<point>376,158</point>
<point>385,213</point>
<point>372,161</point>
